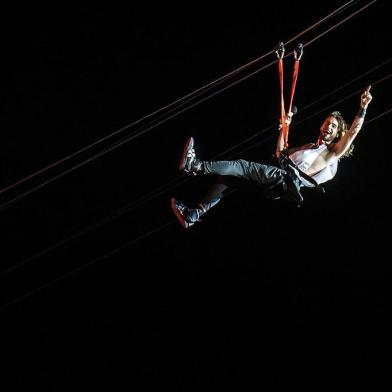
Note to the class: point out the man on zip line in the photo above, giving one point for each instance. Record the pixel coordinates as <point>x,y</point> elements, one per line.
<point>307,166</point>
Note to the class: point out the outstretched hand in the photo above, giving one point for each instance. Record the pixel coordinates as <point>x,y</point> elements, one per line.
<point>366,98</point>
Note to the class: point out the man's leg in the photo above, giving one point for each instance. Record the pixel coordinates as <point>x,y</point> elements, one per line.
<point>189,216</point>
<point>231,173</point>
<point>259,173</point>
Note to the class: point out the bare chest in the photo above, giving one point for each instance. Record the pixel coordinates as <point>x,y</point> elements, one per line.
<point>319,162</point>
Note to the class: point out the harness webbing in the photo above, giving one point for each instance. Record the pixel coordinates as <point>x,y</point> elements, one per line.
<point>297,55</point>
<point>282,108</point>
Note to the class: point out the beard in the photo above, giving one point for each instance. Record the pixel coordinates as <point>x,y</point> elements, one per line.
<point>327,137</point>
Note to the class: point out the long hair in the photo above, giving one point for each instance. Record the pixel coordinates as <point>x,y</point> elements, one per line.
<point>343,127</point>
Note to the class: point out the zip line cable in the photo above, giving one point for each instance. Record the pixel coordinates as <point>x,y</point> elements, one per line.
<point>185,100</point>
<point>203,89</point>
<point>94,261</point>
<point>301,121</point>
<point>182,178</point>
<point>232,73</point>
<point>118,249</point>
<point>343,21</point>
<point>346,84</point>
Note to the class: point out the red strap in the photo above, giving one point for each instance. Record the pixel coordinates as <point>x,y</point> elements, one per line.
<point>295,77</point>
<point>282,109</point>
<point>293,85</point>
<point>285,127</point>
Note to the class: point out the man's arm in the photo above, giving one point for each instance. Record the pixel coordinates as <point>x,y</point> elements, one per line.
<point>345,142</point>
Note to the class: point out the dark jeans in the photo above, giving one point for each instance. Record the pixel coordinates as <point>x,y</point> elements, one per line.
<point>258,173</point>
<point>274,182</point>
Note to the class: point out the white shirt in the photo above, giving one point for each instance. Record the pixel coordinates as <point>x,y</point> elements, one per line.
<point>303,159</point>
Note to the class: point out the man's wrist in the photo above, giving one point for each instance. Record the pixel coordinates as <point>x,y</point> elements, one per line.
<point>362,112</point>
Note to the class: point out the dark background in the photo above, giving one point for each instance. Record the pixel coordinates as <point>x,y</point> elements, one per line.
<point>257,295</point>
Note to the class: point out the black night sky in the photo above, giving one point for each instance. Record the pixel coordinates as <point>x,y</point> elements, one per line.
<point>259,295</point>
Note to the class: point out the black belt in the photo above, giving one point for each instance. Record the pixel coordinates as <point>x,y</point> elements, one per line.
<point>286,162</point>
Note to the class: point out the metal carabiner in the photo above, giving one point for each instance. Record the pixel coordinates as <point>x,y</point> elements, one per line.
<point>280,50</point>
<point>298,52</point>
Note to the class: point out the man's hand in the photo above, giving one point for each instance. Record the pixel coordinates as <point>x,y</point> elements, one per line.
<point>289,117</point>
<point>366,97</point>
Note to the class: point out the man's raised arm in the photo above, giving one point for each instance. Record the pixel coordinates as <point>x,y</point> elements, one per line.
<point>345,142</point>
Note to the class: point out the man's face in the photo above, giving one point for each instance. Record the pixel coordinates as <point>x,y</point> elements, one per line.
<point>329,129</point>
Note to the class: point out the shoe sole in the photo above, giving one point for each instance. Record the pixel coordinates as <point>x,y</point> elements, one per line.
<point>177,214</point>
<point>188,146</point>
